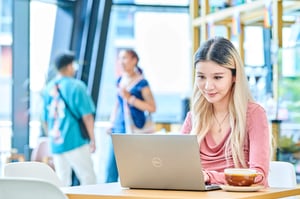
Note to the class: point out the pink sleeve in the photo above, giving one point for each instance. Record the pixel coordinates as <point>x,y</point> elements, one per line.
<point>187,124</point>
<point>216,177</point>
<point>259,141</point>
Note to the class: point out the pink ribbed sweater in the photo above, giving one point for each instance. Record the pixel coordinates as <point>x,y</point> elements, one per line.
<point>256,147</point>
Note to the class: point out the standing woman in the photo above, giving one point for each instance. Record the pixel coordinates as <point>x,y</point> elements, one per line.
<point>232,129</point>
<point>135,94</point>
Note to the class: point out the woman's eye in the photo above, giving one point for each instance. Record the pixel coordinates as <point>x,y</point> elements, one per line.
<point>200,77</point>
<point>218,77</point>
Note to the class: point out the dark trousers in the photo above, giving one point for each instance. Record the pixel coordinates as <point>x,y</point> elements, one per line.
<point>75,181</point>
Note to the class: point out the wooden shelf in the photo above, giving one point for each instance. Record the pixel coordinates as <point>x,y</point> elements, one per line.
<point>250,14</point>
<point>227,13</point>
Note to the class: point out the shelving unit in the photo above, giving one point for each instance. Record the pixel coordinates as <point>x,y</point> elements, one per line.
<point>251,13</point>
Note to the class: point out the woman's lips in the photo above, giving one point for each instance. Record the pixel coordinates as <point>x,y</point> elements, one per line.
<point>211,95</point>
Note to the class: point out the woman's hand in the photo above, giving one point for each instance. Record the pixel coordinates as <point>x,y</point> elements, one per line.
<point>124,94</point>
<point>206,176</point>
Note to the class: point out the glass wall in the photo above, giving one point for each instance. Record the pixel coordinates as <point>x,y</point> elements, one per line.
<point>5,74</point>
<point>42,23</point>
<point>161,37</point>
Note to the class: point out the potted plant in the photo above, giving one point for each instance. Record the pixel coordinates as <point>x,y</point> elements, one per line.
<point>288,149</point>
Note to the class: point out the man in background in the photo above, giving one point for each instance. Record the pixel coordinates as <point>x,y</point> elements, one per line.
<point>65,101</point>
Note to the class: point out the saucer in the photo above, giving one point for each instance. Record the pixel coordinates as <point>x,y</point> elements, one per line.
<point>241,188</point>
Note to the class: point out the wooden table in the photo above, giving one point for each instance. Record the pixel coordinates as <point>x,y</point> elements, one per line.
<point>114,190</point>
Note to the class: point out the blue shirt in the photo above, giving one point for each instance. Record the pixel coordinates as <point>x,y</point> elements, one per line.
<point>63,128</point>
<point>138,116</point>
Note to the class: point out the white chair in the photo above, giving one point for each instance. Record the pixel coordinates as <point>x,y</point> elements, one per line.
<point>42,152</point>
<point>282,174</point>
<point>32,169</point>
<point>29,188</point>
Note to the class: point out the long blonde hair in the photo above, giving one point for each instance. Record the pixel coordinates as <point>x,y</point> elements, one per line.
<point>223,52</point>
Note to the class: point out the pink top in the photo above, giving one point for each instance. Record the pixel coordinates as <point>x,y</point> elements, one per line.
<point>256,147</point>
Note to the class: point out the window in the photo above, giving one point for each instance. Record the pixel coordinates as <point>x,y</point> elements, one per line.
<point>5,74</point>
<point>42,19</point>
<point>161,37</point>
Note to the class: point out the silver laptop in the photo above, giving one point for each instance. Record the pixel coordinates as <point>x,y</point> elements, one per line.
<point>159,161</point>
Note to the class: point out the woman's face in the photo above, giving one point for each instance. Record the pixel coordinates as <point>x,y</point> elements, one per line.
<point>214,81</point>
<point>127,61</point>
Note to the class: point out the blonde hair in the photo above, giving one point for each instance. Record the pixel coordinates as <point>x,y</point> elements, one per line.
<point>223,52</point>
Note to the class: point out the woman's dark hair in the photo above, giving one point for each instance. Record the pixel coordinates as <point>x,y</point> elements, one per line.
<point>135,55</point>
<point>219,50</point>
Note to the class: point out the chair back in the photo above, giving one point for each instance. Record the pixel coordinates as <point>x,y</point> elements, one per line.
<point>42,152</point>
<point>282,174</point>
<point>29,188</point>
<point>32,169</point>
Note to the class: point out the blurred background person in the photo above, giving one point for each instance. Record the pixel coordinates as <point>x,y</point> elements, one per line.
<point>135,94</point>
<point>63,97</point>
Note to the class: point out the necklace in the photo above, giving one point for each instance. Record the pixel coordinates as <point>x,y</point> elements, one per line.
<point>220,123</point>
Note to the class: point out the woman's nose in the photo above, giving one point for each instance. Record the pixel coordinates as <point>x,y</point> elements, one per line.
<point>208,85</point>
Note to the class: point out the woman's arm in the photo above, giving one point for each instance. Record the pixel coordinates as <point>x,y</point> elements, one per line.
<point>148,104</point>
<point>259,141</point>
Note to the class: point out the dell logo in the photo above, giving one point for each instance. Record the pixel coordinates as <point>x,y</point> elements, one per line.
<point>156,162</point>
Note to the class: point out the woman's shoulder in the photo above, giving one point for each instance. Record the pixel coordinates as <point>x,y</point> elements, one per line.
<point>254,107</point>
<point>144,81</point>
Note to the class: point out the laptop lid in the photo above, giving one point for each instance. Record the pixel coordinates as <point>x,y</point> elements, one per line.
<point>159,161</point>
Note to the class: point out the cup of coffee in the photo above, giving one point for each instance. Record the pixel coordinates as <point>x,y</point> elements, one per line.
<point>242,176</point>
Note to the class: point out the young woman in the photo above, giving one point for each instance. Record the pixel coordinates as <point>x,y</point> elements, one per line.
<point>232,129</point>
<point>135,95</point>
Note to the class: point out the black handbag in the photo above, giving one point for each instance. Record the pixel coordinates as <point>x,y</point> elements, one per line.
<point>83,129</point>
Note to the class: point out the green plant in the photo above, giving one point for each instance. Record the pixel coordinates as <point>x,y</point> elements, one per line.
<point>286,144</point>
